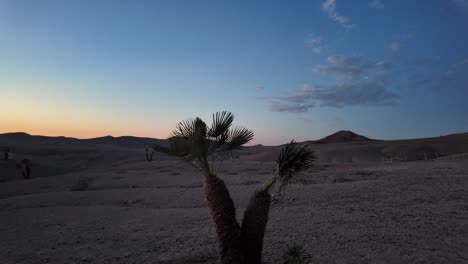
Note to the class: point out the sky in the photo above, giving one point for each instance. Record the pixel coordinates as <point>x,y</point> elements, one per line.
<point>286,69</point>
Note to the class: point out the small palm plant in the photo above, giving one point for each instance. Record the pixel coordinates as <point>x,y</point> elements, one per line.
<point>201,146</point>
<point>296,254</point>
<point>291,161</point>
<point>205,148</point>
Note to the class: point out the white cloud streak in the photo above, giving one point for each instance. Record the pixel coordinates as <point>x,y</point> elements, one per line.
<point>316,43</point>
<point>329,7</point>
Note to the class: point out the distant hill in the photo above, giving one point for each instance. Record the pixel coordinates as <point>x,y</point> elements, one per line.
<point>343,136</point>
<point>55,155</point>
<point>348,147</point>
<point>124,142</point>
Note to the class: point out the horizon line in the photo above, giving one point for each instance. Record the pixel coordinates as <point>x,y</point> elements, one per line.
<point>146,137</point>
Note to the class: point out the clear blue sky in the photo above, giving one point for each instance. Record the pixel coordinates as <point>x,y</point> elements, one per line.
<point>286,69</point>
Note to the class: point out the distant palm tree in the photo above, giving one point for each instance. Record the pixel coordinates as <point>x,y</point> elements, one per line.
<point>205,148</point>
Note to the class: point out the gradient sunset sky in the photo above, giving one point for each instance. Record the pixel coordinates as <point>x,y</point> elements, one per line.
<point>385,69</point>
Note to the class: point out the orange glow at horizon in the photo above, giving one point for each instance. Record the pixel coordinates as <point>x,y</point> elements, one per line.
<point>49,113</point>
<point>81,132</point>
<point>39,120</point>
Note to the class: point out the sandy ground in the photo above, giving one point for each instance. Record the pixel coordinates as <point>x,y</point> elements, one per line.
<point>154,212</point>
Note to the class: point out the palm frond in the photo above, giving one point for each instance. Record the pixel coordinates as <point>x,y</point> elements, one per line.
<point>292,160</point>
<point>189,139</point>
<point>222,121</point>
<point>200,143</point>
<point>180,147</point>
<point>238,137</point>
<point>179,141</point>
<point>185,128</point>
<point>193,141</point>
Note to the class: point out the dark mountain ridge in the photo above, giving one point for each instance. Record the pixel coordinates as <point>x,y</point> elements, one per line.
<point>123,141</point>
<point>343,136</point>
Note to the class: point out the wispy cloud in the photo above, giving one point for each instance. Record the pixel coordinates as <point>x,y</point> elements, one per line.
<point>370,92</point>
<point>329,7</point>
<point>345,68</point>
<point>358,81</point>
<point>316,43</point>
<point>260,88</point>
<point>377,4</point>
<point>364,82</point>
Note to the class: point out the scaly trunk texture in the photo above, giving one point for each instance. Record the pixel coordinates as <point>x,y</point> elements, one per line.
<point>223,213</point>
<point>254,225</point>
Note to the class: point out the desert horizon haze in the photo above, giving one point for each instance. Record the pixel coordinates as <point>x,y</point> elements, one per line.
<point>233,132</point>
<point>386,69</point>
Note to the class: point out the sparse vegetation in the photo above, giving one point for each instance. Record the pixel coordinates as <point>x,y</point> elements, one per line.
<point>82,184</point>
<point>295,254</point>
<point>206,148</point>
<point>6,153</point>
<point>26,168</point>
<point>149,155</point>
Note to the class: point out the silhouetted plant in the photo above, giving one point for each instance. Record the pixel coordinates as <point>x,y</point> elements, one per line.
<point>201,146</point>
<point>205,148</point>
<point>292,160</point>
<point>295,254</point>
<point>26,168</point>
<point>6,153</point>
<point>149,156</point>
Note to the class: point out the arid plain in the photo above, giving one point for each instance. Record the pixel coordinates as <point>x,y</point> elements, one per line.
<point>363,201</point>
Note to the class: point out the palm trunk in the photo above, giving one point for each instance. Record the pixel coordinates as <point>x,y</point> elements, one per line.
<point>254,225</point>
<point>223,214</point>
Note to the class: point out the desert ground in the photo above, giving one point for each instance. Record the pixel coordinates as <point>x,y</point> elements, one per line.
<point>362,202</point>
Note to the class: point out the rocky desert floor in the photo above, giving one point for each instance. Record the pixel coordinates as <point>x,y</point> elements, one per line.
<point>135,211</point>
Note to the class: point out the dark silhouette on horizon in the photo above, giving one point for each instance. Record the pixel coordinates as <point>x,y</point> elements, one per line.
<point>6,153</point>
<point>149,155</point>
<point>26,168</point>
